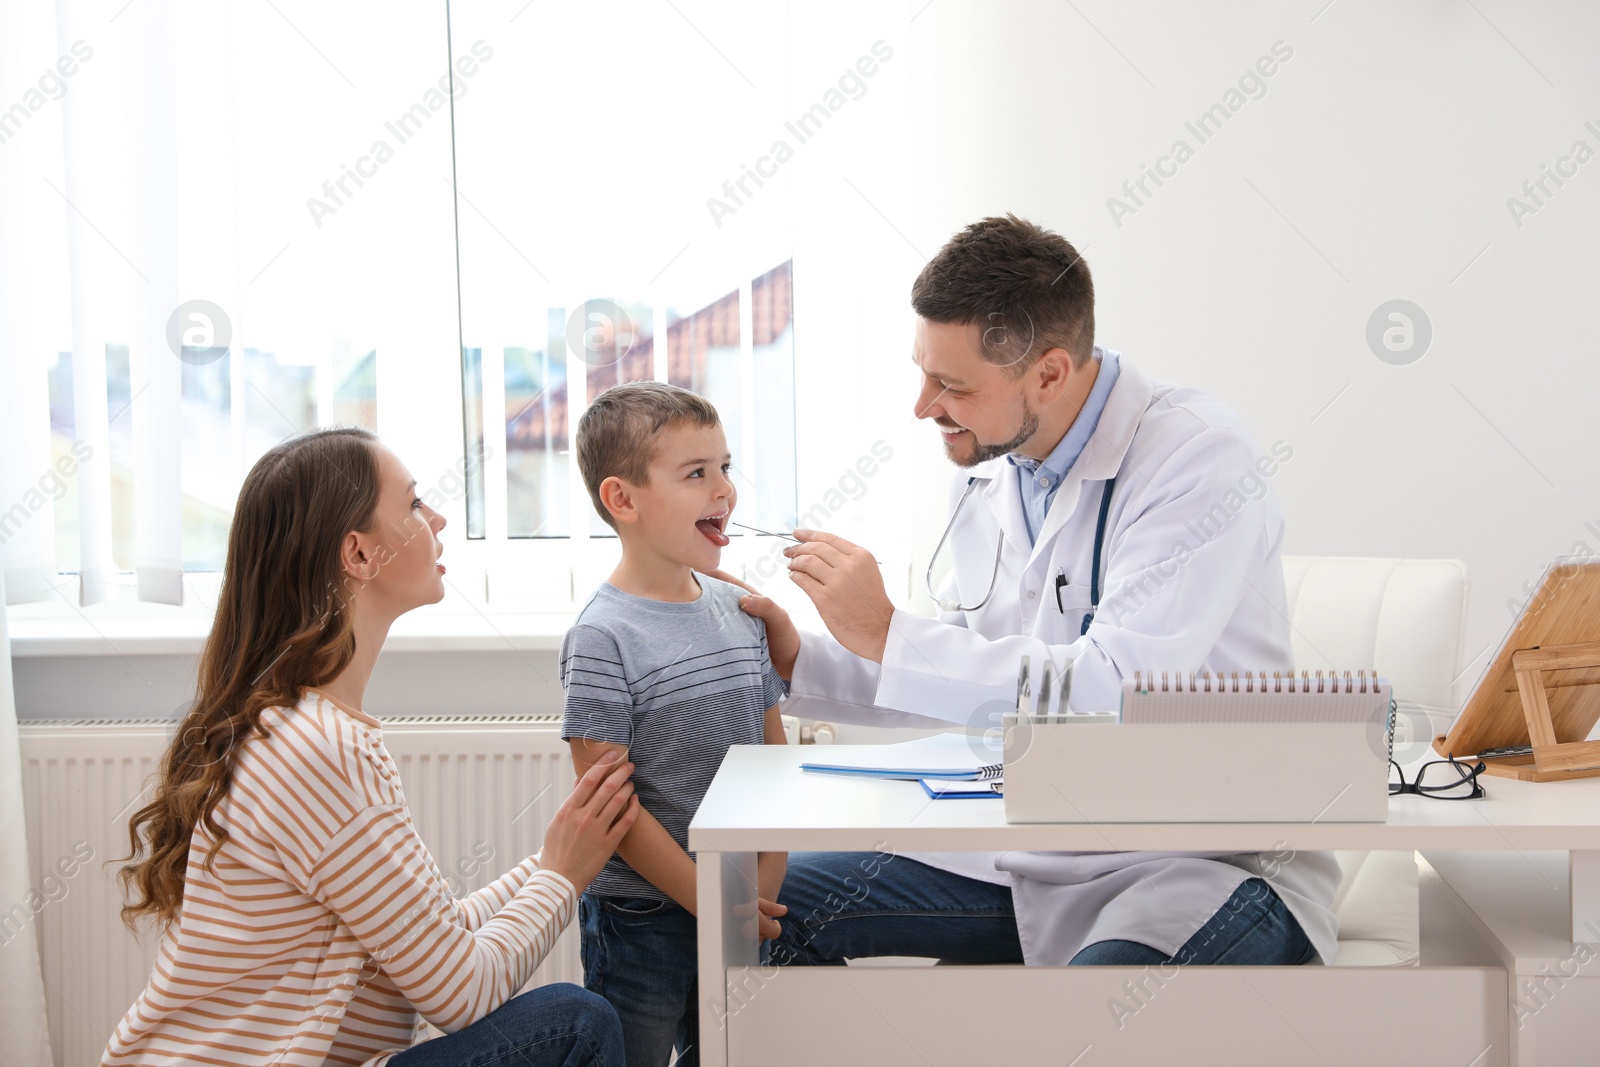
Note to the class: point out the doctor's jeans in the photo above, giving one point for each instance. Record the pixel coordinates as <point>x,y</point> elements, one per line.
<point>845,905</point>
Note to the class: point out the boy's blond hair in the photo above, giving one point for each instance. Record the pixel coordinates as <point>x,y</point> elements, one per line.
<point>616,436</point>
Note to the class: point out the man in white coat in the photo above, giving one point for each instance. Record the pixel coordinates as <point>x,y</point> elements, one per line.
<point>1057,437</point>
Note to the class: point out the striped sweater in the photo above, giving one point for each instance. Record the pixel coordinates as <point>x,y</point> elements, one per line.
<point>326,927</point>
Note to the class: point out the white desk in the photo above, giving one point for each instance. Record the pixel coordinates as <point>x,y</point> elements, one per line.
<point>761,801</point>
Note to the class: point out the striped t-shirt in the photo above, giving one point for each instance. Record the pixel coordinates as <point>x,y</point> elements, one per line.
<point>326,927</point>
<point>678,684</point>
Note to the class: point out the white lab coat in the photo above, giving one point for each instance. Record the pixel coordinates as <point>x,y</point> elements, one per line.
<point>1191,580</point>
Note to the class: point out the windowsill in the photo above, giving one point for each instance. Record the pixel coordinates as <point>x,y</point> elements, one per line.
<point>184,636</point>
<point>182,633</point>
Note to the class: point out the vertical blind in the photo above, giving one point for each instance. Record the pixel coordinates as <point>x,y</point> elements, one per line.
<point>170,305</point>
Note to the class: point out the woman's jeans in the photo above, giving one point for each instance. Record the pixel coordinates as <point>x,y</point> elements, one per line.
<point>845,905</point>
<point>553,1026</point>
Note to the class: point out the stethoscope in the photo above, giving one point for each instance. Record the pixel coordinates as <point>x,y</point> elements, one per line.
<point>999,549</point>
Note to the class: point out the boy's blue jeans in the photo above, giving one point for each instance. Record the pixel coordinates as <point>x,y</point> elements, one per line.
<point>641,955</point>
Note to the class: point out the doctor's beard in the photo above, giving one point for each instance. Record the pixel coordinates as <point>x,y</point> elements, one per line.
<point>982,453</point>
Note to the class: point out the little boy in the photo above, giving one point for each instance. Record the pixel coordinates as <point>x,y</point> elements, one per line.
<point>663,667</point>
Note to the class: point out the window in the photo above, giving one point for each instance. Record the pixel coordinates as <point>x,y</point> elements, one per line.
<point>370,240</point>
<point>213,269</point>
<point>538,474</point>
<point>587,259</point>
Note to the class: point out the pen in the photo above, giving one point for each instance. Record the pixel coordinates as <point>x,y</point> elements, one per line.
<point>1061,583</point>
<point>1024,694</point>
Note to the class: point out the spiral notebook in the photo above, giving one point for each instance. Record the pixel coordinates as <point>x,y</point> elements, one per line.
<point>1255,697</point>
<point>945,789</point>
<point>1252,747</point>
<point>949,756</point>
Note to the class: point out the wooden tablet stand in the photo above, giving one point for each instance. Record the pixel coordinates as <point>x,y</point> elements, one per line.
<point>1538,691</point>
<point>1559,748</point>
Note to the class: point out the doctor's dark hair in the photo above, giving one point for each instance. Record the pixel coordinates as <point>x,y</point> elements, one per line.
<point>283,624</point>
<point>1027,289</point>
<point>617,435</point>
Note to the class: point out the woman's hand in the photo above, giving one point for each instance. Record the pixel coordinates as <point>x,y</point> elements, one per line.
<point>783,638</point>
<point>591,821</point>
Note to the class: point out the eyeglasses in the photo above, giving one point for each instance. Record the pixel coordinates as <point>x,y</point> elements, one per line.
<point>1445,779</point>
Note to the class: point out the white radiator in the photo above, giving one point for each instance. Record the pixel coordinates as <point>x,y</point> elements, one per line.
<point>481,791</point>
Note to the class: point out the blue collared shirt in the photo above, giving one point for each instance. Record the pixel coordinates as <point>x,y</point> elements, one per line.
<point>1038,481</point>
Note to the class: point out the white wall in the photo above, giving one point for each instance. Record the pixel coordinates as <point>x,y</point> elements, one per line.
<point>1376,166</point>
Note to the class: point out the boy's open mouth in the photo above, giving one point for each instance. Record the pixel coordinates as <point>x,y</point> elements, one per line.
<point>712,526</point>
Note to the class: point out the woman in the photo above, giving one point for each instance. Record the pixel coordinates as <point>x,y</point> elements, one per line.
<point>304,921</point>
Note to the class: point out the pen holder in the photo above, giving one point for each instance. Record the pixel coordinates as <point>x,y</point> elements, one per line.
<point>1098,770</point>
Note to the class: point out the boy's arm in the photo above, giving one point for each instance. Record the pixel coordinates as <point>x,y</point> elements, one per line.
<point>772,728</point>
<point>647,848</point>
<point>770,869</point>
<point>770,866</point>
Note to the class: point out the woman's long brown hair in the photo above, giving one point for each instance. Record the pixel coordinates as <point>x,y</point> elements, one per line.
<point>283,624</point>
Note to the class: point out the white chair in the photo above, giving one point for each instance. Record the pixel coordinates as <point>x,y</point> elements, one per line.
<point>1406,618</point>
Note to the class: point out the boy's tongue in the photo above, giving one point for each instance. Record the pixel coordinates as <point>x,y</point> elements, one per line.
<point>709,528</point>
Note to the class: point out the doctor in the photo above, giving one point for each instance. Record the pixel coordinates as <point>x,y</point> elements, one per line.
<point>1100,518</point>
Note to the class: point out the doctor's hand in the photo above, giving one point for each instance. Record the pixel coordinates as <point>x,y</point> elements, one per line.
<point>783,638</point>
<point>844,582</point>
